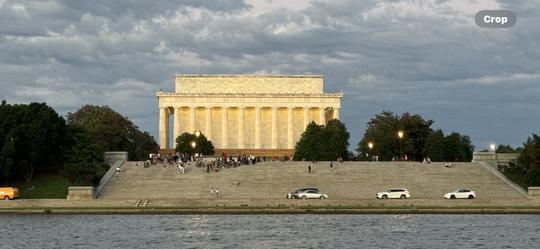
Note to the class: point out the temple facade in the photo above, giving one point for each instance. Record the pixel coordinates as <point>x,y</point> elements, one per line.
<point>252,114</point>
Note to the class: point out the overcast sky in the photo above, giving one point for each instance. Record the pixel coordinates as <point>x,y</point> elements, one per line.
<point>425,57</point>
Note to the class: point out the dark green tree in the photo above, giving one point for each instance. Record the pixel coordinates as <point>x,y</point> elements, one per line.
<point>382,132</point>
<point>308,147</point>
<point>323,143</point>
<point>417,131</point>
<point>202,144</point>
<point>84,158</point>
<point>33,134</point>
<point>114,132</point>
<point>527,168</point>
<point>458,148</point>
<point>337,140</point>
<point>506,148</point>
<point>435,147</point>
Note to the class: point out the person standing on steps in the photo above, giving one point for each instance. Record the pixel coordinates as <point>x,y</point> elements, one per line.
<point>309,168</point>
<point>217,192</point>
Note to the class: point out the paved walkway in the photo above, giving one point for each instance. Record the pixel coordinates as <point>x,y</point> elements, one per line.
<point>347,181</point>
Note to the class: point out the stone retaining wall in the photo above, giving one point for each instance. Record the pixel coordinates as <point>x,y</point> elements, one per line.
<point>77,193</point>
<point>534,192</point>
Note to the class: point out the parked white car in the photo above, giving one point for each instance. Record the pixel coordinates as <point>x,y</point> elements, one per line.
<point>307,193</point>
<point>394,193</point>
<point>461,194</point>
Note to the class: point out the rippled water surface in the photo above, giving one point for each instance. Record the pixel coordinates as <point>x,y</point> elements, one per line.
<point>269,231</point>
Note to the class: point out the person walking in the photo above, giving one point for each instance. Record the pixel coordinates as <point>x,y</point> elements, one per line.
<point>217,192</point>
<point>212,191</point>
<point>309,168</point>
<point>331,165</point>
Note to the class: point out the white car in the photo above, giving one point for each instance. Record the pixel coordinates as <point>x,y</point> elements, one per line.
<point>461,194</point>
<point>307,193</point>
<point>394,193</point>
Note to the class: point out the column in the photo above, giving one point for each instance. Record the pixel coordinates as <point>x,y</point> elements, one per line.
<point>306,117</point>
<point>257,127</point>
<point>322,117</point>
<point>192,110</point>
<point>163,135</point>
<point>336,113</point>
<point>241,128</point>
<point>274,137</point>
<point>208,123</point>
<point>224,127</point>
<point>176,125</point>
<point>290,125</point>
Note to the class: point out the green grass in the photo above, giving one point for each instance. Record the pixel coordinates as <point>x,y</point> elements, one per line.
<point>44,187</point>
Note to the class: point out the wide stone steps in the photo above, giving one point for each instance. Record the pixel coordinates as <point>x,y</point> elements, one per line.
<point>348,180</point>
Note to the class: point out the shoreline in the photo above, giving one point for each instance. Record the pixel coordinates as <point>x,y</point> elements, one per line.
<point>92,207</point>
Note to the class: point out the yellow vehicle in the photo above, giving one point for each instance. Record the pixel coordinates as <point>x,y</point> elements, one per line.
<point>9,193</point>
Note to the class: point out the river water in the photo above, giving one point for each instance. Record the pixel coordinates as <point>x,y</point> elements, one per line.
<point>269,231</point>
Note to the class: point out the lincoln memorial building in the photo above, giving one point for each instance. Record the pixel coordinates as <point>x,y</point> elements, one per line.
<point>252,114</point>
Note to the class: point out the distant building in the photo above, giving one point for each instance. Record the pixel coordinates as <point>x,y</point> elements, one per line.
<point>252,114</point>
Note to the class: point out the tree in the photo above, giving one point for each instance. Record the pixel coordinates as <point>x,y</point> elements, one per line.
<point>417,131</point>
<point>419,140</point>
<point>382,132</point>
<point>323,143</point>
<point>202,144</point>
<point>458,148</point>
<point>307,147</point>
<point>84,158</point>
<point>114,132</point>
<point>31,140</point>
<point>337,140</point>
<point>506,148</point>
<point>527,168</point>
<point>435,147</point>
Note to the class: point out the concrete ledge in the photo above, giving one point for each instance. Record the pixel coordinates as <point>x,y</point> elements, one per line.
<point>534,192</point>
<point>77,193</point>
<point>112,156</point>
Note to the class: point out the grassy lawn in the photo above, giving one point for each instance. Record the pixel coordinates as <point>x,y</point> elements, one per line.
<point>44,187</point>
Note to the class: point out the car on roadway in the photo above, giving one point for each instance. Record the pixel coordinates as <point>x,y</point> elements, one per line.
<point>9,193</point>
<point>461,194</point>
<point>394,193</point>
<point>307,193</point>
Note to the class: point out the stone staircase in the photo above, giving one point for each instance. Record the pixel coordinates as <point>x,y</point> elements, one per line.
<point>348,180</point>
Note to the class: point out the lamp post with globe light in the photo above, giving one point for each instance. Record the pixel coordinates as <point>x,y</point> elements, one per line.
<point>370,146</point>
<point>400,136</point>
<point>493,148</point>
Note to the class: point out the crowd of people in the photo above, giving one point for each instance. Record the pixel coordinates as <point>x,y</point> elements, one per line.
<point>215,164</point>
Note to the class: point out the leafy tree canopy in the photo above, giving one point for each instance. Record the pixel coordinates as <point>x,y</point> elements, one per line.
<point>185,142</point>
<point>84,158</point>
<point>323,143</point>
<point>418,142</point>
<point>527,167</point>
<point>31,139</point>
<point>114,132</point>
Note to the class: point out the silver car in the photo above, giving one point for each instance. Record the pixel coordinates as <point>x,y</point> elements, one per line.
<point>307,193</point>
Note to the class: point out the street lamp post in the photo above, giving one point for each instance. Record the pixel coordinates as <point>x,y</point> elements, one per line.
<point>370,146</point>
<point>400,136</point>
<point>493,148</point>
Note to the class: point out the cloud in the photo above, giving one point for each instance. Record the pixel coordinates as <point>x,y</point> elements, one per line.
<point>419,56</point>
